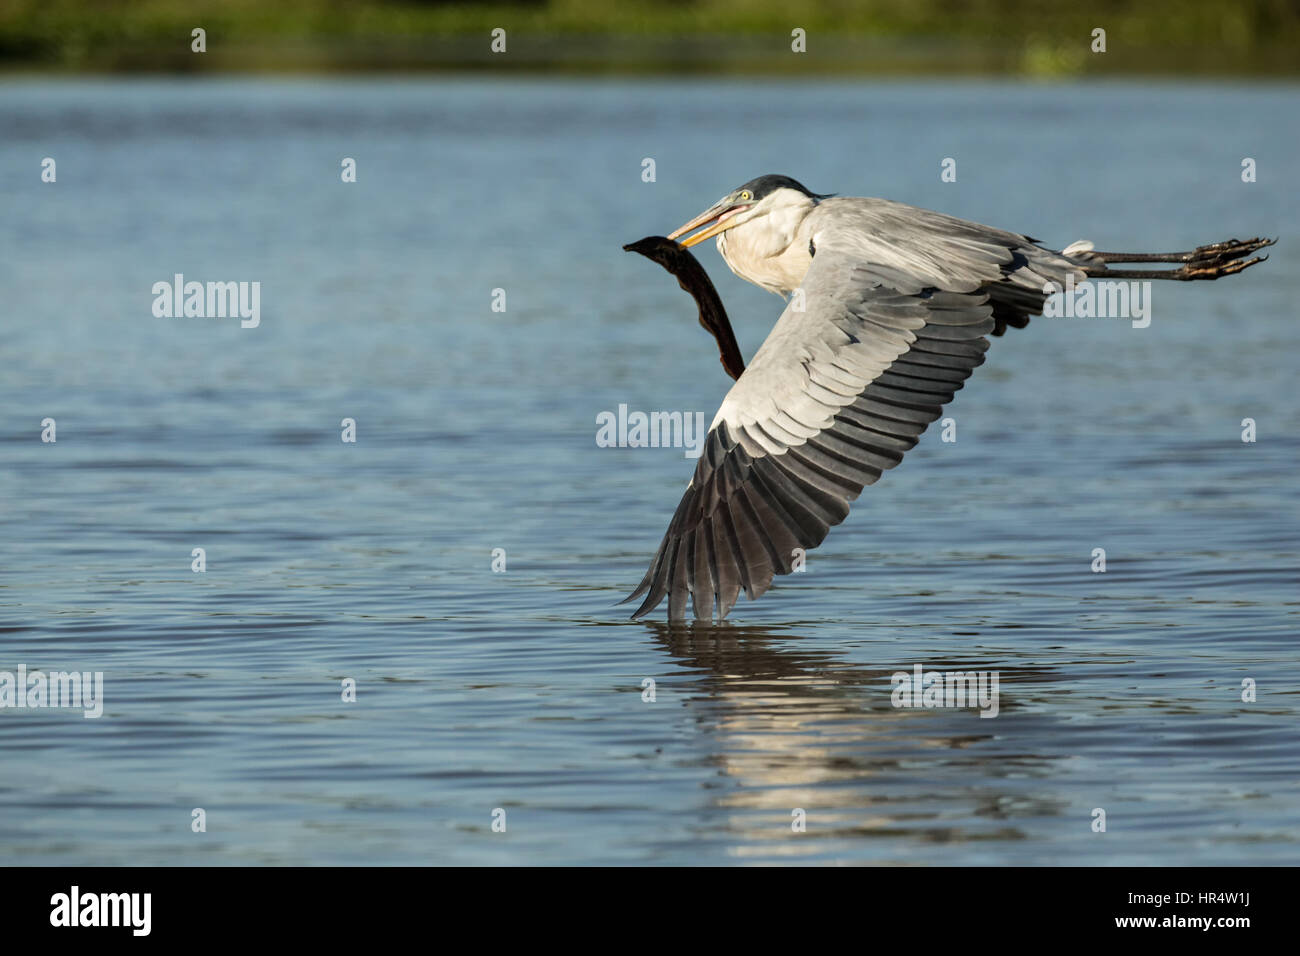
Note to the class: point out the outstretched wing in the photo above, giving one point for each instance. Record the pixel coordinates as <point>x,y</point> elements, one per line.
<point>848,379</point>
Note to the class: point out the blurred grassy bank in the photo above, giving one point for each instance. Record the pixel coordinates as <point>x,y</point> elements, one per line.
<point>1035,37</point>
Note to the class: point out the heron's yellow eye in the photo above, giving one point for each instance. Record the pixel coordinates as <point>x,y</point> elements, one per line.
<point>744,194</point>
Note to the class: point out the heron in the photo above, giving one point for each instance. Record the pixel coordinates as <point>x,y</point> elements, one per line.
<point>889,309</point>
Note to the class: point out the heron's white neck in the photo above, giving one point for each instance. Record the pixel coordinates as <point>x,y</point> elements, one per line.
<point>771,250</point>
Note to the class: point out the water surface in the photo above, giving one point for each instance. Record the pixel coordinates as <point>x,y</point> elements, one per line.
<point>522,690</point>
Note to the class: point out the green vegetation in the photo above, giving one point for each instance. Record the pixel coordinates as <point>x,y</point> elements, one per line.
<point>748,36</point>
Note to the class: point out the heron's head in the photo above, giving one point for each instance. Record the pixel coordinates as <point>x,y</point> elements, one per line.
<point>754,200</point>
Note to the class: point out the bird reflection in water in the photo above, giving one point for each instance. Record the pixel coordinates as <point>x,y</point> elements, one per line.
<point>793,724</point>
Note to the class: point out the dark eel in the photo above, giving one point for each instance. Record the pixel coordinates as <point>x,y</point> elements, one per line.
<point>691,276</point>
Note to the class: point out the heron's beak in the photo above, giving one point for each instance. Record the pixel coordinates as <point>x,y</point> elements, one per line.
<point>720,215</point>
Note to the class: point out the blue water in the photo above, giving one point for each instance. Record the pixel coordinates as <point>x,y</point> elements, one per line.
<point>522,690</point>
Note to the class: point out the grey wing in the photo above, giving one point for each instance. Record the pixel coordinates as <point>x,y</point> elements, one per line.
<point>835,396</point>
<point>910,248</point>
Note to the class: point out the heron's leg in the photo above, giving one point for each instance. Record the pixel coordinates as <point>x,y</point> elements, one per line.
<point>1193,270</point>
<point>1215,252</point>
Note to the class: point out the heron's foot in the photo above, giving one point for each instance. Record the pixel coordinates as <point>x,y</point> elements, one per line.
<point>1214,269</point>
<point>1222,252</point>
<point>1222,258</point>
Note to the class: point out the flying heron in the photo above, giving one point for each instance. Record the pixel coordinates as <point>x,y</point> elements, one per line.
<point>889,308</point>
